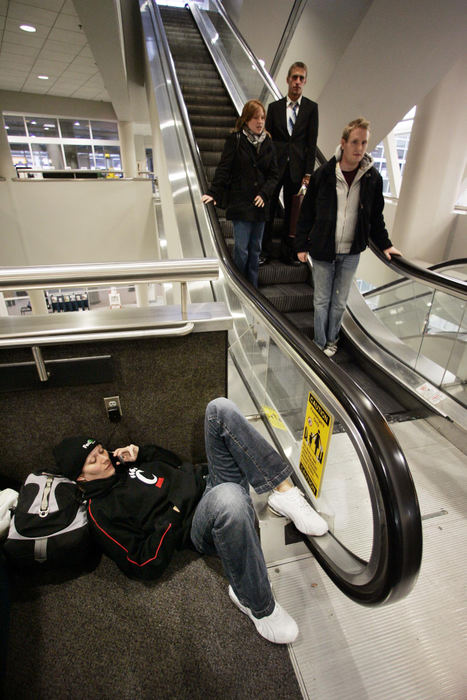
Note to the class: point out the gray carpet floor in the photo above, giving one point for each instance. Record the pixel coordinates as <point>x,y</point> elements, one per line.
<point>100,635</point>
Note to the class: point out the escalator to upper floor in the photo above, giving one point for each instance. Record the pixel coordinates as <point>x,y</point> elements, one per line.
<point>374,547</point>
<point>212,116</point>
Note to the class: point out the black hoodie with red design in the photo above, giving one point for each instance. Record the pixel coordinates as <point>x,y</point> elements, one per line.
<point>132,513</point>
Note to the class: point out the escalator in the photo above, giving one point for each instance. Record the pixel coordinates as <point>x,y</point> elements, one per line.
<point>373,550</point>
<point>212,115</point>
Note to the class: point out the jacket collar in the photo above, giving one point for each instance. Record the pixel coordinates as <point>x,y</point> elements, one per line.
<point>365,164</point>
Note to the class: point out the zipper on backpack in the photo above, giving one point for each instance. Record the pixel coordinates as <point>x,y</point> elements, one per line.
<point>44,507</point>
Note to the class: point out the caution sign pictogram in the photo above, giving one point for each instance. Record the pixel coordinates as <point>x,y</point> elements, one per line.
<point>317,433</point>
<point>274,418</point>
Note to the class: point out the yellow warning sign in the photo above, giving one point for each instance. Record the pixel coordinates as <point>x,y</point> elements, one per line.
<point>315,442</point>
<point>274,418</point>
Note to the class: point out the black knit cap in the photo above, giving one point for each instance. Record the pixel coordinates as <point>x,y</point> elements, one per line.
<point>70,455</point>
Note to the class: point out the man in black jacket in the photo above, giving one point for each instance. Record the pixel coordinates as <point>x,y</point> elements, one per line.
<point>145,503</point>
<point>341,211</point>
<point>293,124</point>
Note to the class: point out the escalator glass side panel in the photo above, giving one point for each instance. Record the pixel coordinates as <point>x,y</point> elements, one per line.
<point>432,325</point>
<point>242,64</point>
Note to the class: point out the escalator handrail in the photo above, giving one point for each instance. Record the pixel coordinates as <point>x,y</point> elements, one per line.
<point>396,575</point>
<point>393,283</point>
<point>427,276</point>
<point>448,263</point>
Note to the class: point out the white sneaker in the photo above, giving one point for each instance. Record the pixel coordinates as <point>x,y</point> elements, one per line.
<point>292,504</point>
<point>278,627</point>
<point>330,349</point>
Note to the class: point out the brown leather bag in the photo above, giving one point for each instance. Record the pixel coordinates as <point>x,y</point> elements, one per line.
<point>295,207</point>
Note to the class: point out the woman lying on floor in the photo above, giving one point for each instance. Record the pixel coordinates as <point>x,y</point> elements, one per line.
<point>143,503</point>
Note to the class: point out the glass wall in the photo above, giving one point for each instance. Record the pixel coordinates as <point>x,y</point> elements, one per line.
<point>56,143</point>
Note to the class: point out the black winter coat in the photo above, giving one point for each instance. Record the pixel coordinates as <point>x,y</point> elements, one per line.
<point>132,512</point>
<point>316,226</point>
<point>242,174</point>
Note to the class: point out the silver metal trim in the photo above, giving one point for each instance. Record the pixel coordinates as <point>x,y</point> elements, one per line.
<point>40,365</point>
<point>98,274</point>
<point>208,33</point>
<point>251,56</point>
<point>91,337</point>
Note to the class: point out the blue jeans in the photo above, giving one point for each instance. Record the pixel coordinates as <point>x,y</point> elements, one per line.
<point>331,282</point>
<point>248,236</point>
<point>224,520</point>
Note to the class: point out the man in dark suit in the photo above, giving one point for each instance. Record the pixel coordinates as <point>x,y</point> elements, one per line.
<point>293,125</point>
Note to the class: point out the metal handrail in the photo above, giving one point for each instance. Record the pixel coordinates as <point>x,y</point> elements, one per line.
<point>99,274</point>
<point>171,331</point>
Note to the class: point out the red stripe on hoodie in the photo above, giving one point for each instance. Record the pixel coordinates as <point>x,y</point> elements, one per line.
<point>122,546</point>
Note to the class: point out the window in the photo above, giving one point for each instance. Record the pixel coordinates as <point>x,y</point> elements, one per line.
<point>78,157</point>
<point>400,137</point>
<point>107,131</point>
<point>47,143</point>
<point>14,125</point>
<point>107,157</point>
<point>21,155</point>
<point>47,156</point>
<point>75,128</point>
<point>40,126</point>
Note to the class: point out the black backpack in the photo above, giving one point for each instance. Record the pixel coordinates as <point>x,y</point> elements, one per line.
<point>49,526</point>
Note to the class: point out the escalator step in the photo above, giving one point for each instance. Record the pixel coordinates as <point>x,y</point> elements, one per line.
<point>303,320</point>
<point>211,144</point>
<point>277,272</point>
<point>210,121</point>
<point>289,297</point>
<point>186,70</point>
<point>214,102</point>
<point>210,161</point>
<point>217,132</point>
<point>207,82</point>
<point>200,109</point>
<point>193,91</point>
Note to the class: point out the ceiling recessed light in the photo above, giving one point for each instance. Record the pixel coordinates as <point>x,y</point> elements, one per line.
<point>27,27</point>
<point>43,77</point>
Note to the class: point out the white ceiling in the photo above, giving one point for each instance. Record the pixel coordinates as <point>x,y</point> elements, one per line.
<point>58,49</point>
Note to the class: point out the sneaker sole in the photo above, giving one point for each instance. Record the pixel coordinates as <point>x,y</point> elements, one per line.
<point>282,515</point>
<point>277,512</point>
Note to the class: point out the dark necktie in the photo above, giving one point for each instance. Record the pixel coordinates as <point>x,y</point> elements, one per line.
<point>292,118</point>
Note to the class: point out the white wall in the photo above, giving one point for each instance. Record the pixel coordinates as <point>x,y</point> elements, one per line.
<point>366,57</point>
<point>323,33</point>
<point>44,222</point>
<point>456,245</point>
<point>434,170</point>
<point>399,52</point>
<point>50,105</point>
